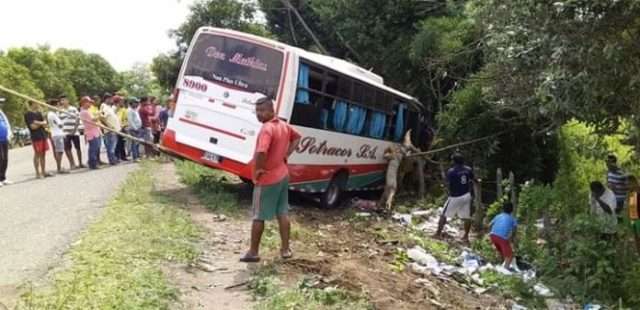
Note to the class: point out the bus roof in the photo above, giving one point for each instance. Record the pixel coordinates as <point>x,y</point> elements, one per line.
<point>337,64</point>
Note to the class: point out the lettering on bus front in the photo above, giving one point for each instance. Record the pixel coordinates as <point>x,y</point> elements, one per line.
<point>195,85</point>
<point>312,146</point>
<point>238,59</point>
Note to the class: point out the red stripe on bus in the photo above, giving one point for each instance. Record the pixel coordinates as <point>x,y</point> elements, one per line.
<point>213,128</point>
<point>307,173</point>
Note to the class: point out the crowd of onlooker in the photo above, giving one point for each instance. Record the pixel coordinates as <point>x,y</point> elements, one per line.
<point>98,121</point>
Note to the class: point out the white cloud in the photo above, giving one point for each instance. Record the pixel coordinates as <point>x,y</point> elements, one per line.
<point>122,31</point>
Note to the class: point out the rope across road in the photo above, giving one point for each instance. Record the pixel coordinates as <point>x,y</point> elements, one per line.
<point>130,137</point>
<point>165,150</point>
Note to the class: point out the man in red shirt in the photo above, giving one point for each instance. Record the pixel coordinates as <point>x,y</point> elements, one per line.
<point>147,116</point>
<point>276,141</point>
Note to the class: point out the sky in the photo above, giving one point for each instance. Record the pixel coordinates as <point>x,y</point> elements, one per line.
<point>123,31</point>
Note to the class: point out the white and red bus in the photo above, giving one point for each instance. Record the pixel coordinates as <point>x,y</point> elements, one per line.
<point>346,115</point>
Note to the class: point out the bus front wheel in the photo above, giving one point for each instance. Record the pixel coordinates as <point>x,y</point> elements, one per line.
<point>331,197</point>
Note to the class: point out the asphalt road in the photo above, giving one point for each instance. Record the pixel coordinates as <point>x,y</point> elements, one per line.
<point>39,219</point>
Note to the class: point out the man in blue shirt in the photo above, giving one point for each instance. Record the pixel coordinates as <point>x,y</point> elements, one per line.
<point>5,137</point>
<point>460,180</point>
<point>503,229</point>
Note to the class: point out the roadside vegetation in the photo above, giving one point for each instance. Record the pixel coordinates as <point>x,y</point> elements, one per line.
<point>116,263</point>
<point>211,186</point>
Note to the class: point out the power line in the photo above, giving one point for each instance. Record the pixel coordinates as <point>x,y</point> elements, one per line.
<point>306,27</point>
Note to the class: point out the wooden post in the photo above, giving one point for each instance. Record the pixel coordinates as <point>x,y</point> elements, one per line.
<point>499,184</point>
<point>478,217</point>
<point>422,190</point>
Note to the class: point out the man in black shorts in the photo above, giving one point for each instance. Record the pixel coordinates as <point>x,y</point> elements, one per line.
<point>71,121</point>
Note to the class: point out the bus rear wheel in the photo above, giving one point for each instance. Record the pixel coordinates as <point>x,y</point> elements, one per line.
<point>331,197</point>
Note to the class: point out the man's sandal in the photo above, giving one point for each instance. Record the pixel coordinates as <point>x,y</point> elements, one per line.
<point>250,259</point>
<point>286,254</point>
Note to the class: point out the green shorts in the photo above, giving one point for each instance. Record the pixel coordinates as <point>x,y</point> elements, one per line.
<point>270,201</point>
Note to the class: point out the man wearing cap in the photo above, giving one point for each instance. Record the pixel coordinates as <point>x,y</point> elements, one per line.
<point>5,137</point>
<point>92,134</point>
<point>57,135</point>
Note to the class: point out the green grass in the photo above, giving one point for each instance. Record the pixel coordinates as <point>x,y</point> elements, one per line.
<point>513,287</point>
<point>441,250</point>
<point>271,295</point>
<point>209,185</point>
<point>116,264</point>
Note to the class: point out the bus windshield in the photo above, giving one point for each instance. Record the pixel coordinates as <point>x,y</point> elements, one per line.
<point>236,64</point>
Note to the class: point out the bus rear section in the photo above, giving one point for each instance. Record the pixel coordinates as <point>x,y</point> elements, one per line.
<point>214,121</point>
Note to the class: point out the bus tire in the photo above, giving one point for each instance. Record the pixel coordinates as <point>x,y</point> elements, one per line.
<point>331,197</point>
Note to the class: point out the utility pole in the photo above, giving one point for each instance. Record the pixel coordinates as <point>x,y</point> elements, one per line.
<point>306,27</point>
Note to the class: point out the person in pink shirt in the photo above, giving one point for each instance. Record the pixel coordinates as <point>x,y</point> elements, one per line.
<point>92,133</point>
<point>276,142</point>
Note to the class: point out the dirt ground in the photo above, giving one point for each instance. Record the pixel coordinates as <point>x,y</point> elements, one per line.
<point>207,284</point>
<point>332,246</point>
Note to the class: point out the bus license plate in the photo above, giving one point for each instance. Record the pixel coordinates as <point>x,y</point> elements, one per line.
<point>211,157</point>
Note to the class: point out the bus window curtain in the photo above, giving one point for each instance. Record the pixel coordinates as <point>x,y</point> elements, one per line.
<point>377,124</point>
<point>302,95</point>
<point>340,115</point>
<point>400,123</point>
<point>357,117</point>
<point>324,118</point>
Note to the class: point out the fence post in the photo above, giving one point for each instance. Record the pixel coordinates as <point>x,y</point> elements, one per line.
<point>514,196</point>
<point>422,191</point>
<point>479,208</point>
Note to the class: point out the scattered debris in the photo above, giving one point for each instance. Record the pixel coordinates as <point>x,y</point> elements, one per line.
<point>404,219</point>
<point>557,304</point>
<point>363,214</point>
<point>364,205</point>
<point>592,307</point>
<point>518,307</point>
<point>219,218</point>
<point>542,290</point>
<point>236,285</point>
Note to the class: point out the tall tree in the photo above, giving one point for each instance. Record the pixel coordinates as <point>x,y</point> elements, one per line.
<point>48,72</point>
<point>16,77</point>
<point>139,81</point>
<point>90,74</point>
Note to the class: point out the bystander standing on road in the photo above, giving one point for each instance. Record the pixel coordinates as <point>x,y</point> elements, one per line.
<point>121,112</point>
<point>111,121</point>
<point>135,129</point>
<point>39,139</point>
<point>92,134</point>
<point>57,135</point>
<point>276,141</point>
<point>71,123</point>
<point>5,139</point>
<point>146,116</point>
<point>94,109</point>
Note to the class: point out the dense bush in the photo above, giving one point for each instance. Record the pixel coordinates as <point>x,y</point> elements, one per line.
<point>575,258</point>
